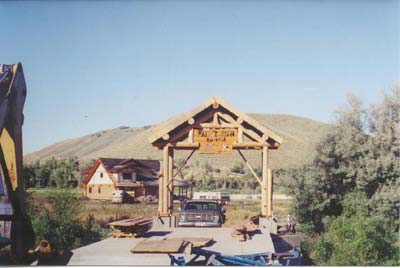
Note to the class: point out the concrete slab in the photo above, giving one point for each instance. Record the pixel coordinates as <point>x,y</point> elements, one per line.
<point>116,251</point>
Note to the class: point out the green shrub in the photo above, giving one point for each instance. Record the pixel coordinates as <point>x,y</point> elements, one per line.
<point>359,240</point>
<point>58,223</point>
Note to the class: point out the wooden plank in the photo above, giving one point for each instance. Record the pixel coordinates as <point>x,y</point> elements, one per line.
<point>172,245</point>
<point>130,221</point>
<point>117,234</point>
<point>130,224</point>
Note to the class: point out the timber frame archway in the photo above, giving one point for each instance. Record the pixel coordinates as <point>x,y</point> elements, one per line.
<point>214,127</point>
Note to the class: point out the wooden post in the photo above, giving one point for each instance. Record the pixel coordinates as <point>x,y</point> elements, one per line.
<point>163,199</point>
<point>269,193</point>
<point>170,184</point>
<point>160,193</point>
<point>190,136</point>
<point>264,187</point>
<point>240,135</point>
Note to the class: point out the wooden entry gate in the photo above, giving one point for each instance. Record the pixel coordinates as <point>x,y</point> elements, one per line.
<point>215,127</point>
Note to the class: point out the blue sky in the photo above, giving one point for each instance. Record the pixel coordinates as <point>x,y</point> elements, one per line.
<point>94,65</point>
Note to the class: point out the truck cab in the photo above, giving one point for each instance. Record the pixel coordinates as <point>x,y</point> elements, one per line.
<point>200,212</point>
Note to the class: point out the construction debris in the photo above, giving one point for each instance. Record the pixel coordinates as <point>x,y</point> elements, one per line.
<point>133,227</point>
<point>244,232</point>
<point>198,241</point>
<point>44,254</point>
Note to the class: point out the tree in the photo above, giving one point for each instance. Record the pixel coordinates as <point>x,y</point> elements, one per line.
<point>54,173</point>
<point>360,153</point>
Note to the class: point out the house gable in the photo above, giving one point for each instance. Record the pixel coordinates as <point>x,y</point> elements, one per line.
<point>101,176</point>
<point>98,175</point>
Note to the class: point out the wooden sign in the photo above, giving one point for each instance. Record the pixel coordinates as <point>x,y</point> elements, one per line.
<point>215,140</point>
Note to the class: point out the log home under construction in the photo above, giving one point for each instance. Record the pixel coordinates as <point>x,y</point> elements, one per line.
<point>136,177</point>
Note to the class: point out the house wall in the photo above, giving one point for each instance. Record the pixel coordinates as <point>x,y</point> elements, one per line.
<point>100,185</point>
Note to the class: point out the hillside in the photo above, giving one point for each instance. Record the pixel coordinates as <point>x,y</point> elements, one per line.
<point>300,135</point>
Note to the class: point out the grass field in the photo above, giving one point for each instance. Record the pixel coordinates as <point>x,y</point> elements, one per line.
<point>239,211</point>
<point>104,211</point>
<point>49,191</point>
<point>236,213</point>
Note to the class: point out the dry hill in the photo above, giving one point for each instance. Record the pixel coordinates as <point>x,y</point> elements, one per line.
<point>300,135</point>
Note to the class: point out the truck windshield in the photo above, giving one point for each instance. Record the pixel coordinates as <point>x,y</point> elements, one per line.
<point>201,206</point>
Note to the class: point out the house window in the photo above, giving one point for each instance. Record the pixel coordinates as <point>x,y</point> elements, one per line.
<point>101,175</point>
<point>90,190</point>
<point>98,190</point>
<point>126,176</point>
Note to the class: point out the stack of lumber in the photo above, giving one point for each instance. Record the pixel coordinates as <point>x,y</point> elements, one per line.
<point>132,227</point>
<point>244,232</point>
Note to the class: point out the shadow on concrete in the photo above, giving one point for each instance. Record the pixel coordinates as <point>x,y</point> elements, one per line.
<point>155,233</point>
<point>280,244</point>
<point>56,259</point>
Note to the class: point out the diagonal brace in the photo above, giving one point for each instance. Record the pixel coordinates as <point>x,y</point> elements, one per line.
<point>181,167</point>
<point>249,166</point>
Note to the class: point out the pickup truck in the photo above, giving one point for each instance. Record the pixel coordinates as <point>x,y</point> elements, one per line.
<point>204,213</point>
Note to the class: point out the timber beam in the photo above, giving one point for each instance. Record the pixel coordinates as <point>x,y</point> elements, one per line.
<point>250,168</point>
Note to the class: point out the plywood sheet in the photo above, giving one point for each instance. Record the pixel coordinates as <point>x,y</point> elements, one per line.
<point>172,245</point>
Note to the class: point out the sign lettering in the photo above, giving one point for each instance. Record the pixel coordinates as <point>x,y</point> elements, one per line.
<point>215,140</point>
